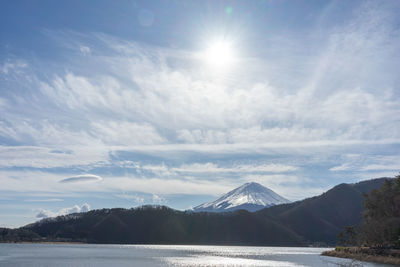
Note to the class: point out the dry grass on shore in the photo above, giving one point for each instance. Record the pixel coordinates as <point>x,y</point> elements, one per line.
<point>361,255</point>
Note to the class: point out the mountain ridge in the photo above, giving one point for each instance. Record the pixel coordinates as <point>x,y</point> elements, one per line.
<point>313,221</point>
<point>323,217</point>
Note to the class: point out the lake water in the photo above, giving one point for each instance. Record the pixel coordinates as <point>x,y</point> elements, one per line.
<point>64,255</point>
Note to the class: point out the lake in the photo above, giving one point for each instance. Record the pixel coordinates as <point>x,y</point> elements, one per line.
<point>63,255</point>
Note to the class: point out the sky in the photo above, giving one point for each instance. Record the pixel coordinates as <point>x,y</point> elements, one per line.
<point>124,103</point>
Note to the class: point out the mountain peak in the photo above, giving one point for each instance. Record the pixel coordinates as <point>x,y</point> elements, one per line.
<point>251,196</point>
<point>252,185</point>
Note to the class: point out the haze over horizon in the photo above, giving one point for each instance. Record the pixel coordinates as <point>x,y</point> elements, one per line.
<point>125,103</point>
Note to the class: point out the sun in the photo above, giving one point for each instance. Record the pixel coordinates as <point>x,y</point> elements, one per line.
<point>219,55</point>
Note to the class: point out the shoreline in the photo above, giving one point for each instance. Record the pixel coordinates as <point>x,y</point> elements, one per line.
<point>153,244</point>
<point>361,255</point>
<point>45,242</point>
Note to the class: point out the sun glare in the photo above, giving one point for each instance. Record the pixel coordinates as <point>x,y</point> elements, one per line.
<point>219,55</point>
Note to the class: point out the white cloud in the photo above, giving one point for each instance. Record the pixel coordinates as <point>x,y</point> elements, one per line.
<point>267,148</point>
<point>162,186</point>
<point>241,112</point>
<point>274,179</point>
<point>45,214</point>
<point>85,50</point>
<point>134,197</point>
<point>343,167</point>
<point>15,65</point>
<point>240,168</point>
<point>207,171</point>
<point>254,134</point>
<point>368,163</point>
<point>209,167</point>
<point>126,133</point>
<point>42,157</point>
<point>82,178</point>
<point>144,99</point>
<point>161,170</point>
<point>44,133</point>
<point>158,199</point>
<point>200,110</point>
<point>376,174</point>
<point>75,209</point>
<point>45,200</point>
<point>85,207</point>
<point>75,92</point>
<point>377,167</point>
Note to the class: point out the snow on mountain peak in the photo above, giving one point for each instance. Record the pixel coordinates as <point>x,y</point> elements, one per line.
<point>251,196</point>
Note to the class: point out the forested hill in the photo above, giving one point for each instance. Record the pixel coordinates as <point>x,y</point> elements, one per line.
<point>322,218</point>
<point>162,225</point>
<point>316,220</point>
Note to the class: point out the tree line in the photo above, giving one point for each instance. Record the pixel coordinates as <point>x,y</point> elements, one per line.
<point>381,225</point>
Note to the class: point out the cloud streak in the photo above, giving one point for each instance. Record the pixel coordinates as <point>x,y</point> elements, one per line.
<point>82,178</point>
<point>210,167</point>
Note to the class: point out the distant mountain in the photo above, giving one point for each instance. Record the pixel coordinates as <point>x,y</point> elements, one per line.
<point>313,221</point>
<point>250,197</point>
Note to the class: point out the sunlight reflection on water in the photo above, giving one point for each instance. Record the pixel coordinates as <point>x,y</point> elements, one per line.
<point>226,261</point>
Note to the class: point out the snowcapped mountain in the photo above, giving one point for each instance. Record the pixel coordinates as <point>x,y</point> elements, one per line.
<point>250,196</point>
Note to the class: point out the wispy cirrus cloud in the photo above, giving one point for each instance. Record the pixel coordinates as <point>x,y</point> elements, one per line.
<point>210,167</point>
<point>45,200</point>
<point>378,167</point>
<point>127,133</point>
<point>43,157</point>
<point>12,66</point>
<point>368,163</point>
<point>171,104</point>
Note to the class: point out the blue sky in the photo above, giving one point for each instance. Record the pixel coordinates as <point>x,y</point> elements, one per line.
<point>119,103</point>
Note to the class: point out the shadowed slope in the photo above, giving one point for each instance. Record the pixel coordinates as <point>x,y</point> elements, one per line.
<point>321,218</point>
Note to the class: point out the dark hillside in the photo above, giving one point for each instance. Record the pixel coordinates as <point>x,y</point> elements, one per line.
<point>321,218</point>
<point>162,225</point>
<point>18,235</point>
